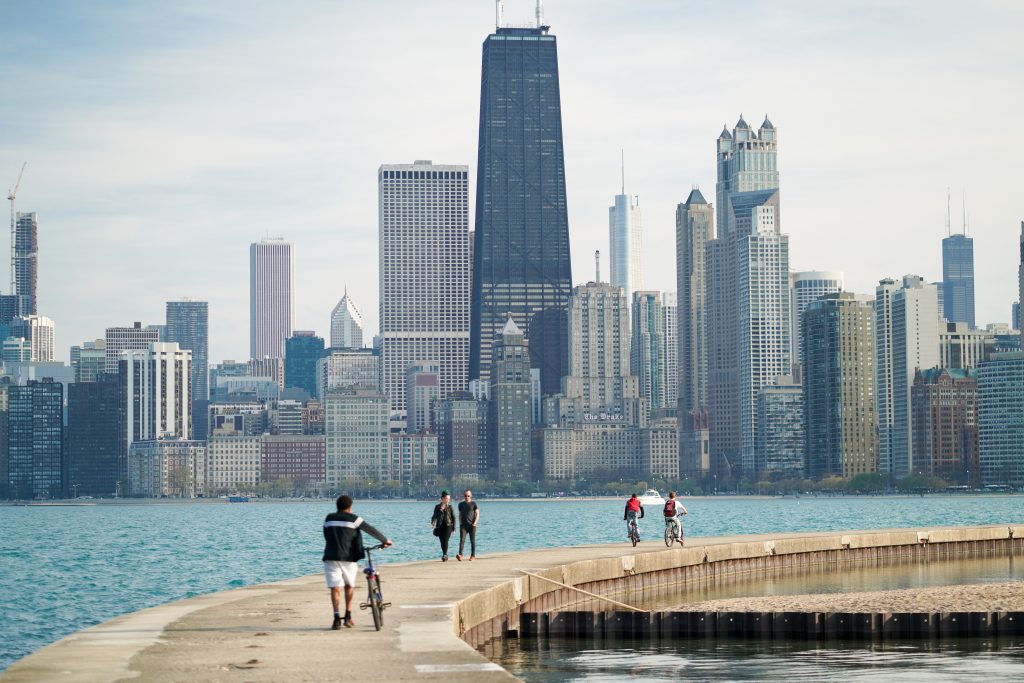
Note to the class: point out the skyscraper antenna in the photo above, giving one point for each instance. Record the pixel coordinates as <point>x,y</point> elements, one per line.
<point>949,230</point>
<point>597,266</point>
<point>540,13</point>
<point>623,153</point>
<point>499,13</point>
<point>963,202</point>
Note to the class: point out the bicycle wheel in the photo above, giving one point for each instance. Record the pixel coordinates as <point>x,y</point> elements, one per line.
<point>635,537</point>
<point>374,600</point>
<point>670,536</point>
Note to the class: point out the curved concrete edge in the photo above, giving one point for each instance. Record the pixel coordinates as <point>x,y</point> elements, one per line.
<point>425,635</point>
<point>120,639</point>
<point>494,611</point>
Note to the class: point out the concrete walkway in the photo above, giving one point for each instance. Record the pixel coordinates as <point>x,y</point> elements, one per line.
<point>278,632</point>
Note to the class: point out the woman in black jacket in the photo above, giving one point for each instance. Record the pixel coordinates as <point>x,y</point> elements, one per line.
<point>443,521</point>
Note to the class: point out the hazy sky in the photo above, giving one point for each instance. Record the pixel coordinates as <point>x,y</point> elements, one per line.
<point>164,137</point>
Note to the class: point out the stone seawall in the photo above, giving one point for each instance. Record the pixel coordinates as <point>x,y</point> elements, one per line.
<point>528,606</point>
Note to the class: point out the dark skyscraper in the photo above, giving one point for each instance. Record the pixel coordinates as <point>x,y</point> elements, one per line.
<point>958,279</point>
<point>26,265</point>
<point>301,352</point>
<point>35,439</point>
<point>95,437</point>
<point>521,246</point>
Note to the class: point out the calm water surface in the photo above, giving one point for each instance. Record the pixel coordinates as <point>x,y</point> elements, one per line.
<point>754,661</point>
<point>65,568</point>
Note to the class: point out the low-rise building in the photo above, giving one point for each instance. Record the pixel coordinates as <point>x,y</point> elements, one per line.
<point>301,458</point>
<point>944,405</point>
<point>413,458</point>
<point>232,463</point>
<point>167,468</point>
<point>659,449</point>
<point>780,428</point>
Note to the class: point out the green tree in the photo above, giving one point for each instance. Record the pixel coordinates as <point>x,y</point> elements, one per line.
<point>869,482</point>
<point>179,482</point>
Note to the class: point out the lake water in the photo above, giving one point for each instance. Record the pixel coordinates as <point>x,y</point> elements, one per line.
<point>63,569</point>
<point>564,661</point>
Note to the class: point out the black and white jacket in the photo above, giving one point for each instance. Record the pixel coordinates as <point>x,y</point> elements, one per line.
<point>343,540</point>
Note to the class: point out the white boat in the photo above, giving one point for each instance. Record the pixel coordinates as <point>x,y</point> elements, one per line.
<point>651,497</point>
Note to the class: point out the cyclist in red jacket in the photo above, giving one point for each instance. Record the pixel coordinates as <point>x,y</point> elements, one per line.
<point>633,506</point>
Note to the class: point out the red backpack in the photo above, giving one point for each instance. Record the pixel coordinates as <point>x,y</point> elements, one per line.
<point>670,507</point>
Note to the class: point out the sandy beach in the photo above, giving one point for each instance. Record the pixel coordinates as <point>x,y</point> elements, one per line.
<point>991,597</point>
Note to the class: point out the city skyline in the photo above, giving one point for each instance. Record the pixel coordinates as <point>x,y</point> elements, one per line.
<point>242,181</point>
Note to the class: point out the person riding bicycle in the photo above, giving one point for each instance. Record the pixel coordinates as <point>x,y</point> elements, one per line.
<point>343,548</point>
<point>633,506</point>
<point>673,509</point>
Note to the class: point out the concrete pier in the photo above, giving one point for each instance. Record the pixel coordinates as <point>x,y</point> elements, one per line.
<point>440,611</point>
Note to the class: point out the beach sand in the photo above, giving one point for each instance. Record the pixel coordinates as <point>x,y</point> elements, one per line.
<point>989,597</point>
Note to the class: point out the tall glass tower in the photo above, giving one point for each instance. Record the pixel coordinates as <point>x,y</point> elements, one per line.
<point>188,324</point>
<point>958,279</point>
<point>521,249</point>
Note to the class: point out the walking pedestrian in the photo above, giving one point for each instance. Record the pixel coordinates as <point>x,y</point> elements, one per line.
<point>469,515</point>
<point>443,521</point>
<point>343,548</point>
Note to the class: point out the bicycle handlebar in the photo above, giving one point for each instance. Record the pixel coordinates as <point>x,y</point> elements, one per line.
<point>379,546</point>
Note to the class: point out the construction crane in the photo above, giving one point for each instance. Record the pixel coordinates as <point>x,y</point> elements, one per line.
<point>11,195</point>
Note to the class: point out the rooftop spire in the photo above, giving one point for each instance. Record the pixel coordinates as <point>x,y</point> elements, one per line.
<point>597,266</point>
<point>540,13</point>
<point>963,201</point>
<point>623,153</point>
<point>949,230</point>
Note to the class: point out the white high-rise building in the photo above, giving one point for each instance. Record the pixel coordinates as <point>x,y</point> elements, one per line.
<point>599,353</point>
<point>748,305</point>
<point>37,331</point>
<point>346,325</point>
<point>625,237</point>
<point>271,297</point>
<point>805,287</point>
<point>647,348</point>
<point>906,339</point>
<point>121,339</point>
<point>158,399</point>
<point>424,274</point>
<point>670,329</point>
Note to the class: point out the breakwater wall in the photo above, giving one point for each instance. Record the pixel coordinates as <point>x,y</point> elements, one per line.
<point>538,606</point>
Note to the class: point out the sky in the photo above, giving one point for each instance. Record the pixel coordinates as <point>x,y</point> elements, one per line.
<point>163,138</point>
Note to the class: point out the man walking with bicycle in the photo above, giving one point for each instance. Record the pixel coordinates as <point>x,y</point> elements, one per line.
<point>343,548</point>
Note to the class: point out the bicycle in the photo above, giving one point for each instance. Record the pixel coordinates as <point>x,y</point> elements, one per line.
<point>374,596</point>
<point>673,531</point>
<point>634,532</point>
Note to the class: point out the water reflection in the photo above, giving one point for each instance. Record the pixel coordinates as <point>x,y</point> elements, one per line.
<point>757,660</point>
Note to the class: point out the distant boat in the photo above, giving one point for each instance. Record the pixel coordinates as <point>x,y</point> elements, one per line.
<point>651,497</point>
<point>238,499</point>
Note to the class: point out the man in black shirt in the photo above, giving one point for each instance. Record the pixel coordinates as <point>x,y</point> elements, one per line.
<point>469,515</point>
<point>343,548</point>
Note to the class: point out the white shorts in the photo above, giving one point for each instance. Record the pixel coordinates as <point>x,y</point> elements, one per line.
<point>338,573</point>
